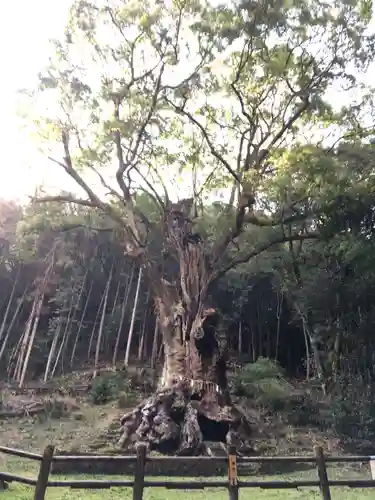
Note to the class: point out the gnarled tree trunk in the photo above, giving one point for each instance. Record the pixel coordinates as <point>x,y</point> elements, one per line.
<point>192,404</point>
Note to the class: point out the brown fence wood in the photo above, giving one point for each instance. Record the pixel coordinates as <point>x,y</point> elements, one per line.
<point>232,474</point>
<point>45,467</point>
<point>139,475</point>
<point>322,473</point>
<point>138,483</point>
<point>20,453</point>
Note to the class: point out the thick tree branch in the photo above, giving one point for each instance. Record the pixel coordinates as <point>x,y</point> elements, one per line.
<point>65,199</point>
<point>275,241</point>
<point>64,228</point>
<point>242,216</point>
<point>94,200</point>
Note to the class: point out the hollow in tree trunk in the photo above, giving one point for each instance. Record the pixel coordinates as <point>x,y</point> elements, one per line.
<point>192,404</point>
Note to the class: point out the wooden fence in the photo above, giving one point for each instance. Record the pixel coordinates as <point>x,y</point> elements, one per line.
<point>233,484</point>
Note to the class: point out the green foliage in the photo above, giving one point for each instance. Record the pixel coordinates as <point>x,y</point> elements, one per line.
<point>353,410</point>
<point>106,388</point>
<point>264,382</point>
<point>56,408</point>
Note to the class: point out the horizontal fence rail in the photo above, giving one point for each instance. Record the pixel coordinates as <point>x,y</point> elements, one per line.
<point>233,484</point>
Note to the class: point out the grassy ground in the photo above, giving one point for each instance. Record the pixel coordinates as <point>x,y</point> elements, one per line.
<point>30,469</point>
<point>88,427</point>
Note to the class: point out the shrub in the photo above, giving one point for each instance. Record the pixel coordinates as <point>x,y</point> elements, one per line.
<point>264,382</point>
<point>353,409</point>
<point>106,388</point>
<point>55,408</point>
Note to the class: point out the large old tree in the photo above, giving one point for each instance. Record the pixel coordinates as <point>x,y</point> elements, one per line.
<point>183,100</point>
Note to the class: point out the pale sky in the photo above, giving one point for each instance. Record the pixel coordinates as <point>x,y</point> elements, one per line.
<point>25,28</point>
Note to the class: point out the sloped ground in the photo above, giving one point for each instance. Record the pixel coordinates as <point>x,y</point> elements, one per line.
<point>71,421</point>
<point>75,424</point>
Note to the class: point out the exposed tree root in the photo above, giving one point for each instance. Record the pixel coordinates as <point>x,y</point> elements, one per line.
<point>174,421</point>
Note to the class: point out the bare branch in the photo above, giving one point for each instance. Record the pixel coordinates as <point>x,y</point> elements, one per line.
<point>64,228</point>
<point>94,200</point>
<point>182,111</point>
<point>131,156</point>
<point>65,199</point>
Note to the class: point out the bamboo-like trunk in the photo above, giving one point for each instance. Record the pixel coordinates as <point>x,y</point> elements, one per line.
<point>116,296</point>
<point>131,328</point>
<point>63,341</point>
<point>13,356</point>
<point>67,332</point>
<point>143,333</point>
<point>307,348</point>
<point>7,310</point>
<point>240,338</point>
<point>337,343</point>
<point>32,338</point>
<point>52,350</point>
<point>25,341</point>
<point>154,351</point>
<point>279,311</point>
<point>101,326</point>
<point>80,327</point>
<point>12,322</point>
<point>123,310</point>
<point>92,336</point>
<point>33,320</point>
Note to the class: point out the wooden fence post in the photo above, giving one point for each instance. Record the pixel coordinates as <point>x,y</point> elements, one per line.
<point>139,473</point>
<point>322,473</point>
<point>232,474</point>
<point>44,469</point>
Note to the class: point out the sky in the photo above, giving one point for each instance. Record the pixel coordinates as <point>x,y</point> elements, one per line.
<point>25,28</point>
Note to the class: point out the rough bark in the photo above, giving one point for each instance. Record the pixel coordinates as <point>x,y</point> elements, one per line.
<point>192,404</point>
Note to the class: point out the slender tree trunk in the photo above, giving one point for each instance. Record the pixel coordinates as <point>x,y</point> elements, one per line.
<point>67,332</point>
<point>76,308</point>
<point>143,333</point>
<point>123,310</point>
<point>32,338</point>
<point>308,356</point>
<point>101,326</point>
<point>7,310</point>
<point>64,341</point>
<point>278,315</point>
<point>25,340</point>
<point>13,356</point>
<point>12,322</point>
<point>253,347</point>
<point>116,296</point>
<point>240,338</point>
<point>80,327</point>
<point>51,352</point>
<point>132,322</point>
<point>306,318</point>
<point>92,336</point>
<point>154,351</point>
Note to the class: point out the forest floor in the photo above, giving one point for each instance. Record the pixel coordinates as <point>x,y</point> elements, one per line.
<point>75,424</point>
